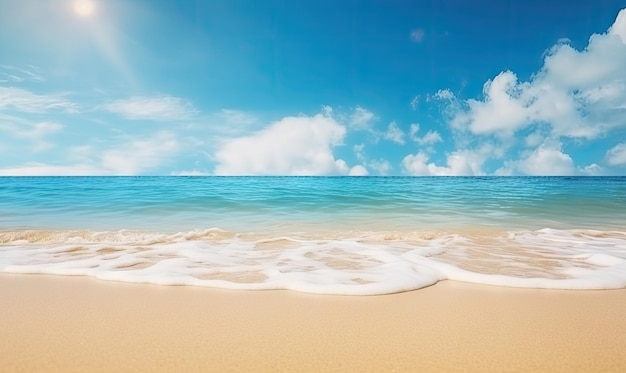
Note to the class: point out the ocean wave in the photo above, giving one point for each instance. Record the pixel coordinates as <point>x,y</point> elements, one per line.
<point>332,262</point>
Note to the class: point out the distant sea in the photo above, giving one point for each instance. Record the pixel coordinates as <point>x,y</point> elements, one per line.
<point>327,235</point>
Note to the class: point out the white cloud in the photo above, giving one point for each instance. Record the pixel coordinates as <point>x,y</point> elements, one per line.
<point>292,146</point>
<point>394,133</point>
<point>534,139</point>
<point>458,163</point>
<point>508,169</point>
<point>414,102</point>
<point>430,138</point>
<point>34,131</point>
<point>131,157</point>
<point>619,26</point>
<point>193,172</point>
<point>361,119</point>
<point>616,156</point>
<point>359,151</point>
<point>139,155</point>
<point>578,94</point>
<point>358,170</point>
<point>27,102</point>
<point>153,108</point>
<point>502,109</point>
<point>444,94</point>
<point>381,166</point>
<point>548,159</point>
<point>417,35</point>
<point>237,117</point>
<point>18,74</point>
<point>591,170</point>
<point>43,169</point>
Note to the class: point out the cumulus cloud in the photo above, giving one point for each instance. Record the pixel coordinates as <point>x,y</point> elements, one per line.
<point>153,108</point>
<point>300,145</point>
<point>394,133</point>
<point>616,156</point>
<point>358,170</point>
<point>580,94</point>
<point>547,159</point>
<point>381,166</point>
<point>28,102</point>
<point>458,163</point>
<point>592,170</point>
<point>430,138</point>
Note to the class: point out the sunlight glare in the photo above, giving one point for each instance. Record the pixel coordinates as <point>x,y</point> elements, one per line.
<point>84,8</point>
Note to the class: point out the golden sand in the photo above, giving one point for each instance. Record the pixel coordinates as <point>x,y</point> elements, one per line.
<point>66,324</point>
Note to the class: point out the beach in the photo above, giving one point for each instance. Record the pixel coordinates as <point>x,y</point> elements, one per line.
<point>72,324</point>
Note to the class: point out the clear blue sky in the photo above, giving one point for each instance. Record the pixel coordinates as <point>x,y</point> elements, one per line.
<point>320,87</point>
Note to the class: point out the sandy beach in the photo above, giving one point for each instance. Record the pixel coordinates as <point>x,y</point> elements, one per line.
<point>78,324</point>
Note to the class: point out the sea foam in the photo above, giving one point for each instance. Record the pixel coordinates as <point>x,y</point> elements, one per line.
<point>347,262</point>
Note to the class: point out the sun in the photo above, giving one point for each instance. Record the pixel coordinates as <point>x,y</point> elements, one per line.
<point>84,8</point>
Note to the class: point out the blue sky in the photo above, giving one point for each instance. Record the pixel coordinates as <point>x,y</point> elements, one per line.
<point>320,87</point>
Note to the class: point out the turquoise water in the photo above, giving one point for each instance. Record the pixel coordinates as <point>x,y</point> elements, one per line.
<point>343,235</point>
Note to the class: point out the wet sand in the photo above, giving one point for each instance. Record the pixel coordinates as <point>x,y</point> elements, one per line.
<point>78,324</point>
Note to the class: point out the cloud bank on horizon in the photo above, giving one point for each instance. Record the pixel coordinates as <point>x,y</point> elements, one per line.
<point>153,88</point>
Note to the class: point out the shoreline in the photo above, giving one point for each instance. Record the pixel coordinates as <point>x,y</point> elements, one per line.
<point>71,324</point>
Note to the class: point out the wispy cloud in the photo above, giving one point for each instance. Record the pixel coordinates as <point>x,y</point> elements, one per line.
<point>361,119</point>
<point>237,117</point>
<point>44,169</point>
<point>28,102</point>
<point>394,133</point>
<point>417,35</point>
<point>139,155</point>
<point>30,131</point>
<point>33,132</point>
<point>156,108</point>
<point>132,156</point>
<point>18,74</point>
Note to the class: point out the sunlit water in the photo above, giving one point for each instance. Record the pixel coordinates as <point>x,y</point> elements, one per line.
<point>337,235</point>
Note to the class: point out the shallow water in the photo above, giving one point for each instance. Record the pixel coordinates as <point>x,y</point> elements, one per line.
<point>335,235</point>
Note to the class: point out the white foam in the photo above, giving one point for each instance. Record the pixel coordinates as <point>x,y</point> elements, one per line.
<point>351,263</point>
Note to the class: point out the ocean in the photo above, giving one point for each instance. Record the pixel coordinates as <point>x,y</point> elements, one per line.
<point>326,235</point>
